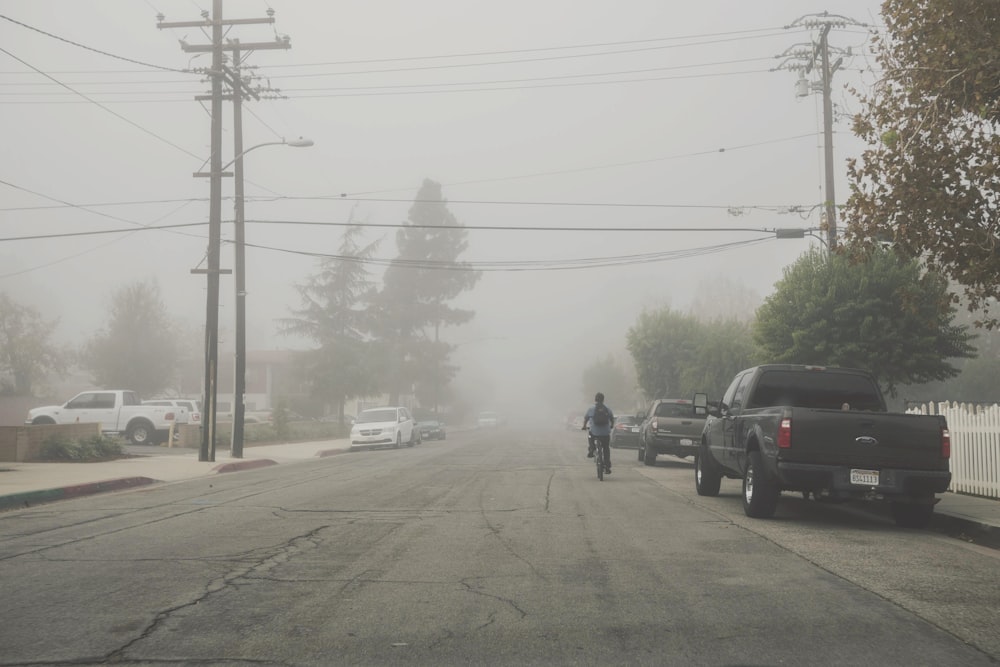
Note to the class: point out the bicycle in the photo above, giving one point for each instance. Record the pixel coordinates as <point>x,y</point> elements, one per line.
<point>598,456</point>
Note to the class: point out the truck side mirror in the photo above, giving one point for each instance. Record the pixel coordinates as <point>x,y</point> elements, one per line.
<point>700,404</point>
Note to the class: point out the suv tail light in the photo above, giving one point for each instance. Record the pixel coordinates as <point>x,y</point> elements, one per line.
<point>785,433</point>
<point>945,444</point>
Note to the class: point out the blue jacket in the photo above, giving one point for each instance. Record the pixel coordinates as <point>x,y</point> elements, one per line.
<point>594,428</point>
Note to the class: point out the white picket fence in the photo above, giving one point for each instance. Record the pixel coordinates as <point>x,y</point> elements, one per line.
<point>975,445</point>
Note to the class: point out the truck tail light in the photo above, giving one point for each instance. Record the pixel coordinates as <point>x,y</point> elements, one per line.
<point>785,433</point>
<point>945,444</point>
<point>653,425</point>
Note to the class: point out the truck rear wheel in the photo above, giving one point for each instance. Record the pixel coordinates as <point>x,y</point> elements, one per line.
<point>760,494</point>
<point>911,515</point>
<point>707,479</point>
<point>649,456</point>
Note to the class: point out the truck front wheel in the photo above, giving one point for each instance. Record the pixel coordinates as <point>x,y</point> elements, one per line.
<point>707,479</point>
<point>140,433</point>
<point>760,494</point>
<point>911,515</point>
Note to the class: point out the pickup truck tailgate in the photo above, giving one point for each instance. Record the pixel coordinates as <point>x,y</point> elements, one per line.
<point>866,439</point>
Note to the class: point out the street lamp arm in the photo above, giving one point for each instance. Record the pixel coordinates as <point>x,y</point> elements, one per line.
<point>294,143</point>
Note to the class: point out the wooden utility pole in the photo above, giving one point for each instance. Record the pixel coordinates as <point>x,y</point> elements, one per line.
<point>217,73</point>
<point>804,58</point>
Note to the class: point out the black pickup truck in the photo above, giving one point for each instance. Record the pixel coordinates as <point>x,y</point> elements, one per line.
<point>824,432</point>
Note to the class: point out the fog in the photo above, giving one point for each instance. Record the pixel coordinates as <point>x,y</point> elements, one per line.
<point>634,114</point>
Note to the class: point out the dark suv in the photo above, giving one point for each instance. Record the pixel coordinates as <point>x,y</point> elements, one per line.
<point>669,427</point>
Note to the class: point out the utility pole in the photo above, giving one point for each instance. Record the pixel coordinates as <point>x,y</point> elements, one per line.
<point>804,58</point>
<point>217,48</point>
<point>239,266</point>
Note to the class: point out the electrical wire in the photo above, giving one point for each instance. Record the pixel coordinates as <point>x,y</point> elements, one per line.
<point>776,30</point>
<point>90,48</point>
<point>523,266</point>
<point>401,225</point>
<point>101,106</point>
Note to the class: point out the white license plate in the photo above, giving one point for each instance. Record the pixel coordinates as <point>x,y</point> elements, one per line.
<point>864,477</point>
<point>687,442</point>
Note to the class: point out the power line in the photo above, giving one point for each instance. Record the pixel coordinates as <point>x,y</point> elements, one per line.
<point>538,265</point>
<point>415,85</point>
<point>517,61</point>
<point>90,48</point>
<point>101,106</point>
<point>87,206</point>
<point>438,92</point>
<point>556,172</point>
<point>530,50</point>
<point>360,196</point>
<point>374,225</point>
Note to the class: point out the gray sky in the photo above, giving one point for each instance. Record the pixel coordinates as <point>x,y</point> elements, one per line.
<point>665,104</point>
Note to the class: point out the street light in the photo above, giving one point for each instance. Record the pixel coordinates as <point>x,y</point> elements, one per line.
<point>239,268</point>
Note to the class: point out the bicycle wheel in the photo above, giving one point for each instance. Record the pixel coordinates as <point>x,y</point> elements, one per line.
<point>599,458</point>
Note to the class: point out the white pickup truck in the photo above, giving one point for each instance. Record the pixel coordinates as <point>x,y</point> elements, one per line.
<point>118,411</point>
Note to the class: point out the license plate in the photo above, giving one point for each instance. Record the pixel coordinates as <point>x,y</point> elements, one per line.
<point>687,442</point>
<point>634,429</point>
<point>864,477</point>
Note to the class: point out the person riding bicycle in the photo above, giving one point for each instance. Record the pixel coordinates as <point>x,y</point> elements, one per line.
<point>602,420</point>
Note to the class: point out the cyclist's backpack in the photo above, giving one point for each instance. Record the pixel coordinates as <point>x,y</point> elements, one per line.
<point>602,416</point>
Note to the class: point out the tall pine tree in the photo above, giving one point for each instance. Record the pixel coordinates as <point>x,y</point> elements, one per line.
<point>334,316</point>
<point>418,287</point>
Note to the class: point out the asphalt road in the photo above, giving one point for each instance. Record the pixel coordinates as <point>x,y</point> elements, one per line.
<point>496,547</point>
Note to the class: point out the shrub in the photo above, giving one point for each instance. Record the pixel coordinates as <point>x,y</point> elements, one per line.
<point>97,447</point>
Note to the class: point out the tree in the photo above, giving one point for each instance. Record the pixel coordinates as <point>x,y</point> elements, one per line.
<point>930,179</point>
<point>419,284</point>
<point>333,315</point>
<point>677,355</point>
<point>27,354</point>
<point>661,344</point>
<point>724,348</point>
<point>137,349</point>
<point>883,314</point>
<point>976,381</point>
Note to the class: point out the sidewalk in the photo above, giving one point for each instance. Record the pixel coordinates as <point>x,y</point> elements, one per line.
<point>26,484</point>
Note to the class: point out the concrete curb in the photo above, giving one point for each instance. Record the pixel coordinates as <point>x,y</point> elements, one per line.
<point>244,465</point>
<point>967,529</point>
<point>332,452</point>
<point>29,498</point>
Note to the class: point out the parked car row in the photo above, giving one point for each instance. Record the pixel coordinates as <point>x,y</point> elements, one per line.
<point>668,427</point>
<point>823,432</point>
<point>432,429</point>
